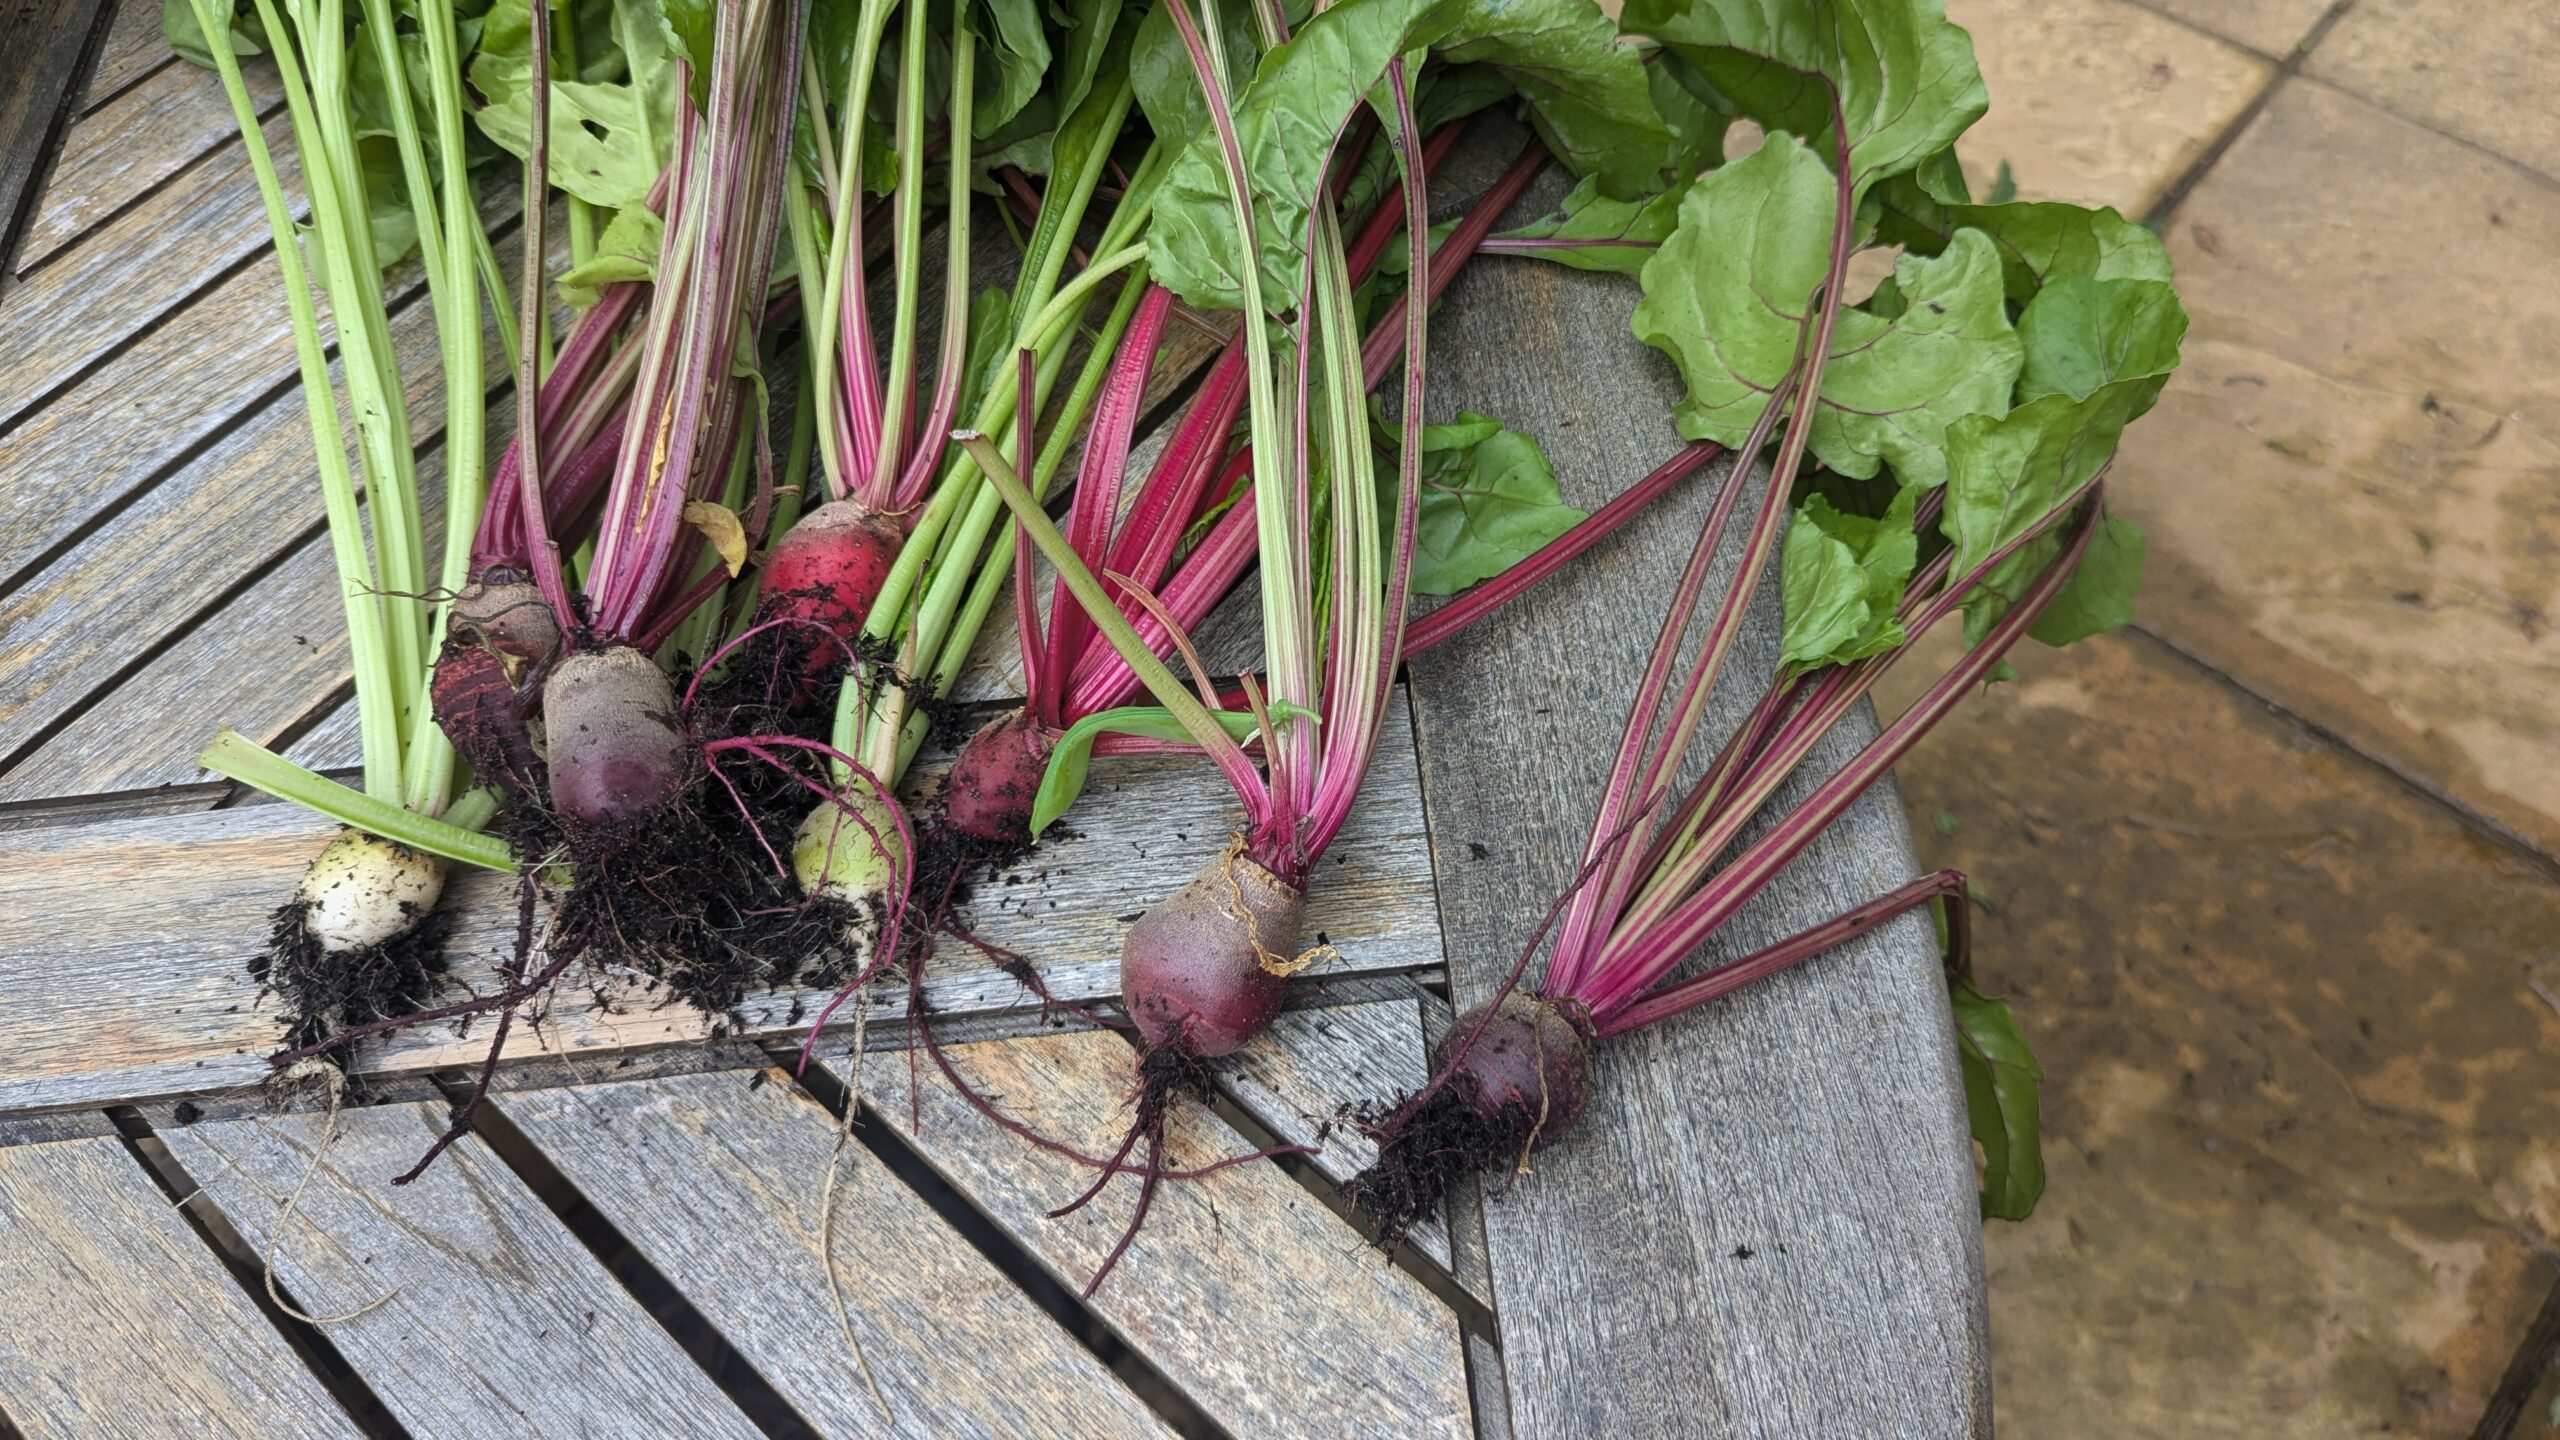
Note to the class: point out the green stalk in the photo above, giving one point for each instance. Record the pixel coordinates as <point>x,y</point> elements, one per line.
<point>1288,657</point>
<point>240,758</point>
<point>1358,564</point>
<point>323,133</point>
<point>431,759</point>
<point>976,508</point>
<point>873,24</point>
<point>998,566</point>
<point>376,709</point>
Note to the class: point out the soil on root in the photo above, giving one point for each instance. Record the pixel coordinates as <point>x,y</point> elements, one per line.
<point>694,901</point>
<point>781,681</point>
<point>324,992</point>
<point>1448,1139</point>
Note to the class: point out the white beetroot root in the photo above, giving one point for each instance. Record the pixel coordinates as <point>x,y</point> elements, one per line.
<point>360,940</point>
<point>362,890</point>
<point>851,856</point>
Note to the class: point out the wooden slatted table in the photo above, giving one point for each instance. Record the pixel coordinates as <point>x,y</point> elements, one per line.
<point>1766,1228</point>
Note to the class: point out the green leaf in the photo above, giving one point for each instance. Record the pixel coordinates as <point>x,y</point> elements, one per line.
<point>2038,242</point>
<point>1063,782</point>
<point>2005,476</point>
<point>2000,1100</point>
<point>2099,352</point>
<point>990,334</point>
<point>178,26</point>
<point>1489,501</point>
<point>1905,74</point>
<point>1843,577</point>
<point>2082,335</point>
<point>1589,97</point>
<point>609,140</point>
<point>1286,122</point>
<point>1161,74</point>
<point>2099,596</point>
<point>1616,235</point>
<point>1013,58</point>
<point>627,250</point>
<point>1725,297</point>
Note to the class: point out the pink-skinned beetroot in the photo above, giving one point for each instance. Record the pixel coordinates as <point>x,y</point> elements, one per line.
<point>994,781</point>
<point>1512,1078</point>
<point>619,750</point>
<point>1202,973</point>
<point>827,571</point>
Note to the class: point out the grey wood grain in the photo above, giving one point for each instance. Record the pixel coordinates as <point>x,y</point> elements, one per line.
<point>137,987</point>
<point>1766,1225</point>
<point>115,1319</point>
<point>493,1319</point>
<point>220,363</point>
<point>172,560</point>
<point>716,1179</point>
<point>136,268</point>
<point>1243,1290</point>
<point>1313,1062</point>
<point>135,46</point>
<point>49,45</point>
<point>116,154</point>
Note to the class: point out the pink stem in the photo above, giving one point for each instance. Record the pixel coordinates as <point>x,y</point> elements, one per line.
<point>1645,958</point>
<point>543,556</point>
<point>1106,455</point>
<point>1348,752</point>
<point>1636,777</point>
<point>1464,610</point>
<point>1687,995</point>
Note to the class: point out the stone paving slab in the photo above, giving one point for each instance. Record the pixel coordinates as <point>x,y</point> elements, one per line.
<point>2483,72</point>
<point>2353,487</point>
<point>2099,102</point>
<point>2301,1030</point>
<point>2270,27</point>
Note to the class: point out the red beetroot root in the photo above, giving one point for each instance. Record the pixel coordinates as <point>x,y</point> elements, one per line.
<point>996,778</point>
<point>1522,1078</point>
<point>1203,971</point>
<point>619,750</point>
<point>828,569</point>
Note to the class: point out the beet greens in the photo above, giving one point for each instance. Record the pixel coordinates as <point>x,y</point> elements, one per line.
<point>1963,417</point>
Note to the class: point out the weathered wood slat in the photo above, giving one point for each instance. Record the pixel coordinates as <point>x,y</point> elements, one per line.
<point>218,364</point>
<point>47,43</point>
<point>1766,1224</point>
<point>492,1318</point>
<point>259,664</point>
<point>116,154</point>
<point>132,270</point>
<point>138,988</point>
<point>1313,1063</point>
<point>166,559</point>
<point>1244,1290</point>
<point>116,1320</point>
<point>716,1180</point>
<point>135,46</point>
